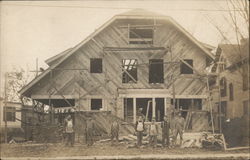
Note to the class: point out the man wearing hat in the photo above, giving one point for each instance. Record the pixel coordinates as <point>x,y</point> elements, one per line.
<point>139,113</point>
<point>179,127</point>
<point>165,125</point>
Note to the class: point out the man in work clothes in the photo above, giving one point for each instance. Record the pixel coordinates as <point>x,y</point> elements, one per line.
<point>139,113</point>
<point>115,131</point>
<point>179,127</point>
<point>89,132</point>
<point>69,130</point>
<point>139,128</point>
<point>165,125</point>
<point>153,132</point>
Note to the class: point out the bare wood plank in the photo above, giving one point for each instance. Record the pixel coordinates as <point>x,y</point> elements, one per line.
<point>132,48</point>
<point>140,26</point>
<point>36,96</point>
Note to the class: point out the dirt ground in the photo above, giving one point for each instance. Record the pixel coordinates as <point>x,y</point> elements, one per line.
<point>100,149</point>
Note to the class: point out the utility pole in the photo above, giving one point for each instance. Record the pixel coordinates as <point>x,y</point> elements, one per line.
<point>5,108</point>
<point>172,77</point>
<point>219,88</point>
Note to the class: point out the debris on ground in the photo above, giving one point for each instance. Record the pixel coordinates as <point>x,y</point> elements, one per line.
<point>213,141</point>
<point>192,140</point>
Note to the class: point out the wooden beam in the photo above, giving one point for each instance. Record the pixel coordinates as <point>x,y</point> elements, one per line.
<point>124,70</point>
<point>62,96</point>
<point>153,108</point>
<point>121,35</point>
<point>99,45</point>
<point>165,106</point>
<point>140,26</point>
<point>150,95</point>
<point>190,66</point>
<point>132,48</point>
<point>134,110</point>
<point>36,96</point>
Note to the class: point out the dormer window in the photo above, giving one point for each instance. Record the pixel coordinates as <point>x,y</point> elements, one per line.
<point>141,35</point>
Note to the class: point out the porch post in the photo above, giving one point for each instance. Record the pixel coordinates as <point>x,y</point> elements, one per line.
<point>153,110</point>
<point>134,109</point>
<point>165,106</point>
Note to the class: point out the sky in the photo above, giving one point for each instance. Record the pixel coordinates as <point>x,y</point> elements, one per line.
<point>42,29</point>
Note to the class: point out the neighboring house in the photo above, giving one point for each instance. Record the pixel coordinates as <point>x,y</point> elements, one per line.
<point>13,114</point>
<point>125,65</point>
<point>13,119</point>
<point>232,67</point>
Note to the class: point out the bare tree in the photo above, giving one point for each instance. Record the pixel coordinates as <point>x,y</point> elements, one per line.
<point>235,15</point>
<point>15,81</point>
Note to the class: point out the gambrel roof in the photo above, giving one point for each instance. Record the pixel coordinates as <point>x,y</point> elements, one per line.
<point>133,14</point>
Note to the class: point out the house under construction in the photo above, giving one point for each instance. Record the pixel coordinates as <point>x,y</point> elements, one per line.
<point>137,59</point>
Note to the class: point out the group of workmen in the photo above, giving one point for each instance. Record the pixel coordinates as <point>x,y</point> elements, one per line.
<point>173,125</point>
<point>152,130</point>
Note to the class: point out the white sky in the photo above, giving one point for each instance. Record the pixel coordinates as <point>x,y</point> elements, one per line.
<point>31,30</point>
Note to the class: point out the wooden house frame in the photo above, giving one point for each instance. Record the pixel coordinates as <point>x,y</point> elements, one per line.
<point>69,82</point>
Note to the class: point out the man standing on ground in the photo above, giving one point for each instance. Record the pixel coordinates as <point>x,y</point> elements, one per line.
<point>165,125</point>
<point>153,132</point>
<point>115,131</point>
<point>179,127</point>
<point>69,130</point>
<point>139,128</point>
<point>89,132</point>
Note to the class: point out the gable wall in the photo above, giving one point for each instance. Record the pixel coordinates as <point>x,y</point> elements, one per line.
<point>81,82</point>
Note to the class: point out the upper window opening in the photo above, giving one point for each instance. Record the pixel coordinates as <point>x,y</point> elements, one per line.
<point>95,65</point>
<point>185,69</point>
<point>129,73</point>
<point>96,104</point>
<point>141,36</point>
<point>156,71</point>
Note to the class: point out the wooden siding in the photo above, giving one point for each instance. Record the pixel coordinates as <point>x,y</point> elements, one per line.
<point>84,84</point>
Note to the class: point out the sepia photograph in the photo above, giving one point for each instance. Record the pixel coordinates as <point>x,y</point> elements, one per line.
<point>124,80</point>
